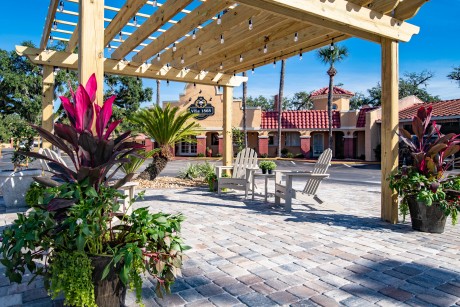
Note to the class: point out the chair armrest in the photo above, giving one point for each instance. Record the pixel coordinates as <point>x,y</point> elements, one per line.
<point>303,174</point>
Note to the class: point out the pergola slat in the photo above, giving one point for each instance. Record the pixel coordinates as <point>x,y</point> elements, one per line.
<point>230,20</point>
<point>129,9</point>
<point>198,16</point>
<point>238,43</point>
<point>48,23</point>
<point>73,40</point>
<point>408,9</point>
<point>70,61</point>
<point>158,19</point>
<point>341,16</point>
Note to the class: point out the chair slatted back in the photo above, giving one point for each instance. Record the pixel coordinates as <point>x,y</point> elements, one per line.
<point>320,167</point>
<point>247,158</point>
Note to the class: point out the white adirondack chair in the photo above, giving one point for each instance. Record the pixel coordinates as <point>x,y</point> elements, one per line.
<point>242,172</point>
<point>50,154</point>
<point>314,178</point>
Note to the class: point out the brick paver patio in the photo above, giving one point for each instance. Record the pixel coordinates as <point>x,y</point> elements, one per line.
<point>250,253</point>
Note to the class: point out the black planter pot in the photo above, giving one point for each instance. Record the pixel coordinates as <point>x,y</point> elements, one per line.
<point>264,171</point>
<point>270,171</point>
<point>111,291</point>
<point>426,218</point>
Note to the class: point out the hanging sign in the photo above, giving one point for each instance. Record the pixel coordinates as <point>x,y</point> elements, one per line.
<point>202,108</point>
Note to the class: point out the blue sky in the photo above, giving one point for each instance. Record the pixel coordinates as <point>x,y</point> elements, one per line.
<point>435,48</point>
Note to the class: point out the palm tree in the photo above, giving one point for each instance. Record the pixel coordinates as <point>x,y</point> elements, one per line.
<point>331,55</point>
<point>167,126</point>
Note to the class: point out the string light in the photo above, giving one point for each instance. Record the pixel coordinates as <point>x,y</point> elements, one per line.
<point>51,39</point>
<point>199,51</point>
<point>54,25</point>
<point>221,38</point>
<point>158,57</point>
<point>190,99</point>
<point>154,3</point>
<point>234,73</point>
<point>194,34</point>
<point>332,46</point>
<point>120,36</point>
<point>221,66</point>
<point>182,60</point>
<point>241,58</point>
<point>219,21</point>
<point>210,98</point>
<point>252,69</point>
<point>250,24</point>
<point>265,48</point>
<point>167,65</point>
<point>194,84</point>
<point>56,70</point>
<point>296,37</point>
<point>61,6</point>
<point>174,47</point>
<point>135,21</point>
<point>300,55</point>
<point>110,47</point>
<point>274,63</point>
<point>167,82</point>
<point>200,92</point>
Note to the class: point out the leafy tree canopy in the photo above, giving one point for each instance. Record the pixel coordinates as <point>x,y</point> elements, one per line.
<point>299,101</point>
<point>455,75</point>
<point>411,84</point>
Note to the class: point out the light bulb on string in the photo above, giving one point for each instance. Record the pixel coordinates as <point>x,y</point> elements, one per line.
<point>221,38</point>
<point>252,69</point>
<point>167,65</point>
<point>265,48</point>
<point>274,63</point>
<point>120,36</point>
<point>194,85</point>
<point>296,37</point>
<point>158,57</point>
<point>219,20</point>
<point>221,66</point>
<point>154,3</point>
<point>135,21</point>
<point>250,24</point>
<point>167,82</point>
<point>194,34</point>
<point>54,25</point>
<point>300,55</point>
<point>51,39</point>
<point>182,60</point>
<point>61,6</point>
<point>241,58</point>
<point>200,52</point>
<point>174,47</point>
<point>332,46</point>
<point>109,47</point>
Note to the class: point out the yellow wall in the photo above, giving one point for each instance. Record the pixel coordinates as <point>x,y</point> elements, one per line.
<point>320,102</point>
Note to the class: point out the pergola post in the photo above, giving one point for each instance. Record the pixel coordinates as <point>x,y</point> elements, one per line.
<point>227,134</point>
<point>91,44</point>
<point>390,121</point>
<point>47,101</point>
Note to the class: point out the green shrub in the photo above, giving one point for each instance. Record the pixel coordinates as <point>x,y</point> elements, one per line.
<point>200,155</point>
<point>284,151</point>
<point>299,156</point>
<point>268,165</point>
<point>290,155</point>
<point>264,155</point>
<point>192,171</point>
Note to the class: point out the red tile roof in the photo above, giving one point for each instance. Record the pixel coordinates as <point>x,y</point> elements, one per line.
<point>361,122</point>
<point>300,119</point>
<point>440,108</point>
<point>336,91</point>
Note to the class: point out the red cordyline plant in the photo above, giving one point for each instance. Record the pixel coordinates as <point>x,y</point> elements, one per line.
<point>87,140</point>
<point>430,148</point>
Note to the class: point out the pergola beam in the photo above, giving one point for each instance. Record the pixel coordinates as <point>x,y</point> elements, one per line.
<point>198,16</point>
<point>48,23</point>
<point>384,6</point>
<point>73,41</point>
<point>70,61</point>
<point>156,21</point>
<point>340,15</point>
<point>124,15</point>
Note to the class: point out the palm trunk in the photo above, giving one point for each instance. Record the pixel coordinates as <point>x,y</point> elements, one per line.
<point>154,169</point>
<point>280,105</point>
<point>245,93</point>
<point>331,72</point>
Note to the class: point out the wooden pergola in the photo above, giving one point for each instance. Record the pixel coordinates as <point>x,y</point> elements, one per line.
<point>209,42</point>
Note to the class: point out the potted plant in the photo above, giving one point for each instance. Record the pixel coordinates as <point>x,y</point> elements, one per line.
<point>427,192</point>
<point>208,152</point>
<point>74,235</point>
<point>267,166</point>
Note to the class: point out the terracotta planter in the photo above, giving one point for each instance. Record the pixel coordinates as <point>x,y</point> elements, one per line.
<point>111,291</point>
<point>208,153</point>
<point>426,218</point>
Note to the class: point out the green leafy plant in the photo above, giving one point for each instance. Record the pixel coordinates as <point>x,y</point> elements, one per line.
<point>201,155</point>
<point>426,180</point>
<point>136,161</point>
<point>191,171</point>
<point>267,165</point>
<point>284,151</point>
<point>79,218</point>
<point>290,155</point>
<point>264,155</point>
